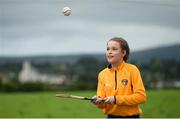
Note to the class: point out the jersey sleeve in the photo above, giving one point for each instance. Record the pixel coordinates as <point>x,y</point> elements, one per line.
<point>100,86</point>
<point>100,90</point>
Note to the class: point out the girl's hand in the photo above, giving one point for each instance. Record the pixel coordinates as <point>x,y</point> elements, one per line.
<point>97,99</point>
<point>98,102</point>
<point>109,100</point>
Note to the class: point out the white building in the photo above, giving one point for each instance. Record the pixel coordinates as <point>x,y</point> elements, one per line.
<point>30,74</point>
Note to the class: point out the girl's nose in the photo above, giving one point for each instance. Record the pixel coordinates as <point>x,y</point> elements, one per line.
<point>109,51</point>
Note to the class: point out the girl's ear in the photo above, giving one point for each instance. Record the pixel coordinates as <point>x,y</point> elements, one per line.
<point>123,52</point>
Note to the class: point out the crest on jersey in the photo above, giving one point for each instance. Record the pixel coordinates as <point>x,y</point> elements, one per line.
<point>124,82</point>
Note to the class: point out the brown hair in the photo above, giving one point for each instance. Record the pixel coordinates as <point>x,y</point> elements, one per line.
<point>124,45</point>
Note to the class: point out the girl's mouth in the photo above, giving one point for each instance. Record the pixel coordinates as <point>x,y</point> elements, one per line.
<point>110,57</point>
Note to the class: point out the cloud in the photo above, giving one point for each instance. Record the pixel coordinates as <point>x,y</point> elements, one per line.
<point>85,40</point>
<point>38,26</point>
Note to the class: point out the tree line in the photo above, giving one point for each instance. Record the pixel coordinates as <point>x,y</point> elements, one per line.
<point>82,75</point>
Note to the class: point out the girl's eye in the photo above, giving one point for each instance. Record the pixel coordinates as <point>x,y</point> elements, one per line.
<point>114,48</point>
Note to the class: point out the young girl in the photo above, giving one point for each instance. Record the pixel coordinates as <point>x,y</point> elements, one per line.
<point>120,88</point>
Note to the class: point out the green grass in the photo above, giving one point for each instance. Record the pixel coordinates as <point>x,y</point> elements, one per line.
<point>46,105</point>
<point>160,103</point>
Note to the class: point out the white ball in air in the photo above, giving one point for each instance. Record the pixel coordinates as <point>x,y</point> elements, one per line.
<point>66,11</point>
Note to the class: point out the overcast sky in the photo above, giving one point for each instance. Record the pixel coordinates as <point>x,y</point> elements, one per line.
<point>38,27</point>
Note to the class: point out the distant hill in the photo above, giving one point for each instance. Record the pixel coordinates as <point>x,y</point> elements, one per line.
<point>52,58</point>
<point>166,52</point>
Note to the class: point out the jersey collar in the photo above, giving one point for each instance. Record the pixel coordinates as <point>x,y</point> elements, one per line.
<point>119,66</point>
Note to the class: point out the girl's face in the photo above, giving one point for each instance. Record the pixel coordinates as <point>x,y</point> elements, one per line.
<point>114,53</point>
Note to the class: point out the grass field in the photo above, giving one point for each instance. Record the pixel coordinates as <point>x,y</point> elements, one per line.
<point>160,103</point>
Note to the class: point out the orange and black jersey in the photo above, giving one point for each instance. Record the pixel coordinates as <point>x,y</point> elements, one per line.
<point>125,84</point>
